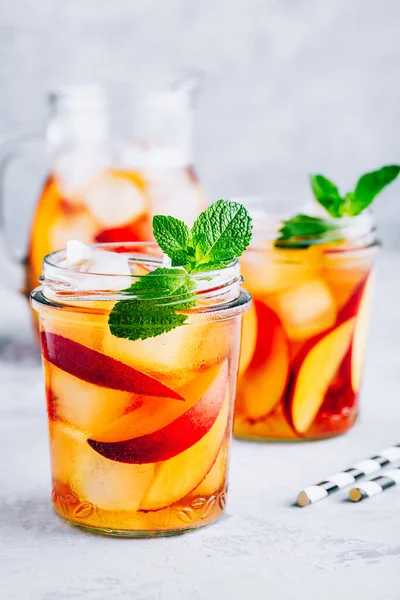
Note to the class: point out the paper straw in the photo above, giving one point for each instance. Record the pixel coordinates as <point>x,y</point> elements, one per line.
<point>375,486</point>
<point>363,468</point>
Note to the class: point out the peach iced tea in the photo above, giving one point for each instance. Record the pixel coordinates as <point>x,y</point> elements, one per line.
<point>140,364</point>
<point>303,341</point>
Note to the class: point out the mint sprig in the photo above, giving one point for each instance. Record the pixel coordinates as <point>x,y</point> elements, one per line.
<point>219,236</point>
<point>353,203</point>
<point>303,230</point>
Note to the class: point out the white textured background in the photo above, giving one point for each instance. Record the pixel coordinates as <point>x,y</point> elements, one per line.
<point>291,86</point>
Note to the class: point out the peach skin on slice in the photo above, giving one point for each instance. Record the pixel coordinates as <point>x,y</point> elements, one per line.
<point>352,306</point>
<point>174,438</point>
<point>97,368</point>
<point>87,406</point>
<point>82,321</point>
<point>263,384</point>
<point>311,377</point>
<point>174,357</point>
<point>360,336</point>
<point>176,478</point>
<point>150,414</point>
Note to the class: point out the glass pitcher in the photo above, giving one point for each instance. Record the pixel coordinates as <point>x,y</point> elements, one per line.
<point>112,160</point>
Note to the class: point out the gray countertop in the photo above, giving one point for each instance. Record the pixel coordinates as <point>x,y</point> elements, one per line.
<point>263,548</point>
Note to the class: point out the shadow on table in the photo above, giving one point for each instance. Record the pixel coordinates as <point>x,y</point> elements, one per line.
<point>32,514</point>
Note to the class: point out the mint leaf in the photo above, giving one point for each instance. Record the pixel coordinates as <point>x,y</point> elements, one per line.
<point>220,234</point>
<point>151,310</point>
<point>369,186</point>
<point>353,203</point>
<point>302,230</point>
<point>327,194</point>
<point>173,237</point>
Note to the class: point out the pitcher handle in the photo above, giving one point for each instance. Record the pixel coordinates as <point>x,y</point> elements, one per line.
<point>10,151</point>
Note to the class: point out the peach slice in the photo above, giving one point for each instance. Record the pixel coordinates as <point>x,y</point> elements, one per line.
<point>306,309</point>
<point>360,336</point>
<point>84,322</point>
<point>215,478</point>
<point>84,405</point>
<point>176,356</point>
<point>138,230</point>
<point>263,384</point>
<point>174,438</point>
<point>351,308</point>
<point>101,370</point>
<point>148,415</point>
<point>109,485</point>
<point>317,364</point>
<point>274,427</point>
<point>176,478</point>
<point>249,339</point>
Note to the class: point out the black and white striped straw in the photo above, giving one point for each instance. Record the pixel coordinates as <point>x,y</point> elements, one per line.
<point>375,486</point>
<point>363,468</point>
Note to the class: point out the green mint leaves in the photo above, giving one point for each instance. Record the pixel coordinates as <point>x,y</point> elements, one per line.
<point>173,237</point>
<point>219,236</point>
<point>352,204</point>
<point>220,233</point>
<point>370,185</point>
<point>302,230</point>
<point>326,193</point>
<point>152,311</point>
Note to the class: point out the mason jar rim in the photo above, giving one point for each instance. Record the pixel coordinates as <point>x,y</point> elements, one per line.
<point>211,288</point>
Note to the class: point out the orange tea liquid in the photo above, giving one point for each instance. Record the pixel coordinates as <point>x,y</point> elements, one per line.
<point>303,341</point>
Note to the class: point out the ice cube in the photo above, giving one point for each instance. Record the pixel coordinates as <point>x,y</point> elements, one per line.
<point>73,170</point>
<point>114,201</point>
<point>84,259</point>
<point>90,407</point>
<point>108,484</point>
<point>306,310</point>
<point>270,271</point>
<point>77,252</point>
<point>173,192</point>
<point>175,357</point>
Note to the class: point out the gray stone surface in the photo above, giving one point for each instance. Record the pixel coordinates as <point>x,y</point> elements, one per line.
<point>290,86</point>
<point>262,548</point>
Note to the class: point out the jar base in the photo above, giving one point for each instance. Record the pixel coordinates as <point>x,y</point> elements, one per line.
<point>129,533</point>
<point>299,440</point>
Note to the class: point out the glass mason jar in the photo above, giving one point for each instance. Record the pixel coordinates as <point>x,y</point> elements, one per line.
<point>139,430</point>
<point>304,338</point>
<point>110,161</point>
